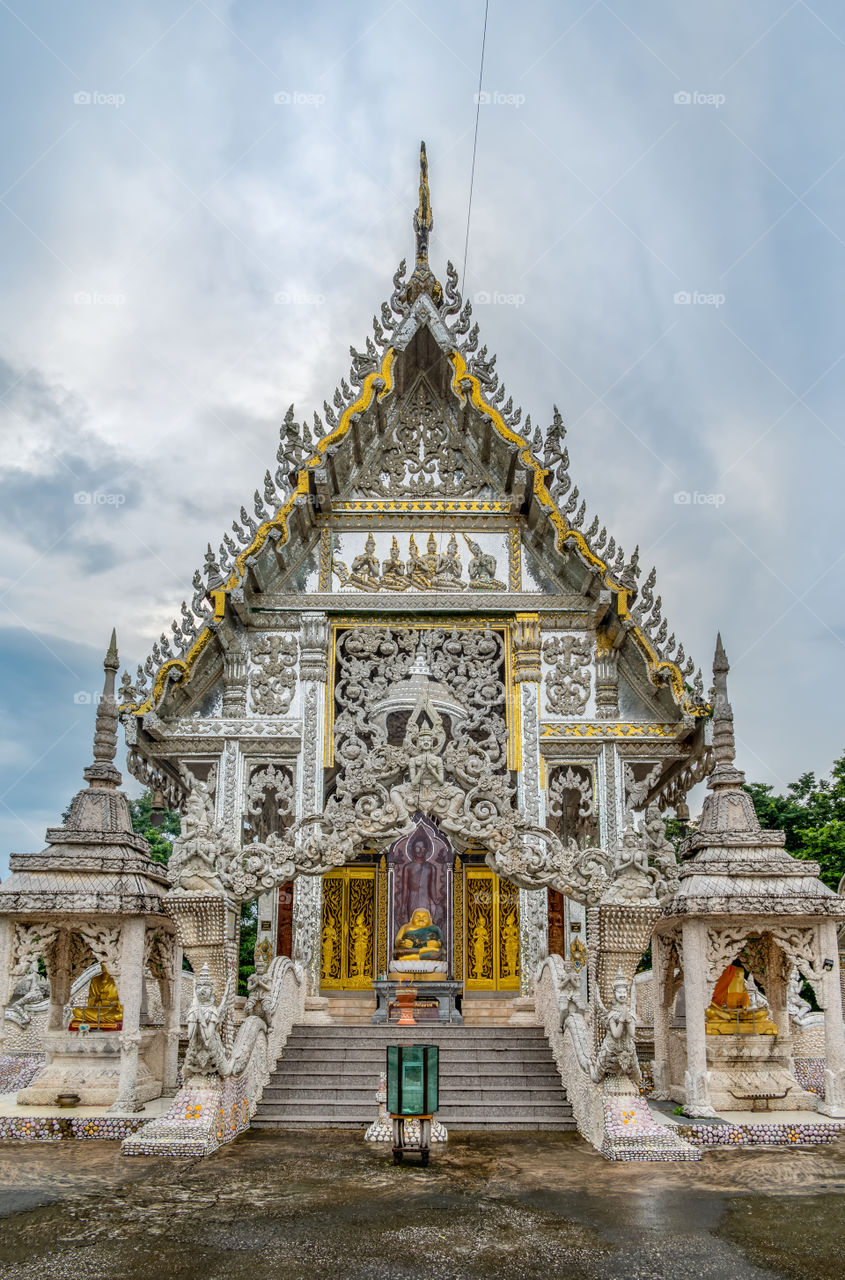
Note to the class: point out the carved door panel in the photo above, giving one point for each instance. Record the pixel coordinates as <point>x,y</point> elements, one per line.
<point>491,932</point>
<point>349,929</point>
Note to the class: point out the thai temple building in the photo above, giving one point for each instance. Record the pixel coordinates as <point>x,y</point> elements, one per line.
<point>420,560</point>
<point>428,713</point>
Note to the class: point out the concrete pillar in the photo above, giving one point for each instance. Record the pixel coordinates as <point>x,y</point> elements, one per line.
<point>7,929</point>
<point>776,994</point>
<point>58,971</point>
<point>661,1002</point>
<point>697,988</point>
<point>172,1026</point>
<point>129,987</point>
<point>531,798</point>
<point>830,998</point>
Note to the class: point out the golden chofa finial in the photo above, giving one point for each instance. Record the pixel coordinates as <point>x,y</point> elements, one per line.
<point>423,217</point>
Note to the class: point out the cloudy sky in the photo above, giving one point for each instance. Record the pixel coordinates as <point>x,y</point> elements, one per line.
<point>655,245</point>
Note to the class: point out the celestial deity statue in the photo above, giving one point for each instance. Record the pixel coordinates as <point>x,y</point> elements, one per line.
<point>206,1054</point>
<point>618,1051</point>
<point>480,939</point>
<point>360,946</point>
<point>328,945</point>
<point>365,568</point>
<point>510,939</point>
<point>393,570</point>
<point>482,569</point>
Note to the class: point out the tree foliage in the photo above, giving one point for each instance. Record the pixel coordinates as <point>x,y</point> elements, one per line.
<point>160,837</point>
<point>812,814</point>
<point>249,937</point>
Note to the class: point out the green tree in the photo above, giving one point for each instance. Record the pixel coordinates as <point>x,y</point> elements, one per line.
<point>812,814</point>
<point>246,951</point>
<point>161,834</point>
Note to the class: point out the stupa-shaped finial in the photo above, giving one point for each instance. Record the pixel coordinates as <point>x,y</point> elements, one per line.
<point>724,743</point>
<point>102,772</point>
<point>423,217</point>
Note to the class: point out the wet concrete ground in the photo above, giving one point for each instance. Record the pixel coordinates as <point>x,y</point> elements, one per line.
<point>303,1205</point>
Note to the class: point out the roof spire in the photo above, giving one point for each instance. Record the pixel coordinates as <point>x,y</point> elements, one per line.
<point>102,771</point>
<point>423,217</point>
<point>724,744</point>
<point>423,279</point>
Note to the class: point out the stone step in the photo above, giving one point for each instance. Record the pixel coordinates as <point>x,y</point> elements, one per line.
<point>380,1030</point>
<point>366,1112</point>
<point>365,1094</point>
<point>466,1126</point>
<point>327,1073</point>
<point>503,1078</point>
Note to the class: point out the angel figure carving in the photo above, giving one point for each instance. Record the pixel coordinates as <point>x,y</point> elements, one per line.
<point>206,1054</point>
<point>617,1053</point>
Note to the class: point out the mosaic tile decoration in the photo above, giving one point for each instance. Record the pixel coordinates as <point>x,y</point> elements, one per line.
<point>59,1128</point>
<point>771,1134</point>
<point>198,1122</point>
<point>809,1072</point>
<point>632,1133</point>
<point>16,1070</point>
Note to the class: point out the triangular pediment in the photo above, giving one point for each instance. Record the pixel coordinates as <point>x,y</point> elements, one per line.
<point>420,480</point>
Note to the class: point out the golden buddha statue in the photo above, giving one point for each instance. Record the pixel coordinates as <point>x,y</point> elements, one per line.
<point>731,1012</point>
<point>103,1010</point>
<point>419,939</point>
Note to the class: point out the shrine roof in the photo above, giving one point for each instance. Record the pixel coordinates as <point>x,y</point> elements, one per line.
<point>424,348</point>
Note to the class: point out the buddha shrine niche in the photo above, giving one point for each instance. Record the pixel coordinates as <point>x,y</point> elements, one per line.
<point>420,889</point>
<point>102,1010</point>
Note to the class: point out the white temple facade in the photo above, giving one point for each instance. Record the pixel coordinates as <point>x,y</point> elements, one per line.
<point>419,559</point>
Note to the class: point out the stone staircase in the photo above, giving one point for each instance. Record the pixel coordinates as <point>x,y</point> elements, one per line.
<point>500,1078</point>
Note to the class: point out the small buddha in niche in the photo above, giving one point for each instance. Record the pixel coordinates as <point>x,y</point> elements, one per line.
<point>419,939</point>
<point>103,1010</point>
<point>731,1011</point>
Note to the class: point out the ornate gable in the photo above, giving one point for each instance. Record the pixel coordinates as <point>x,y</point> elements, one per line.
<point>417,491</point>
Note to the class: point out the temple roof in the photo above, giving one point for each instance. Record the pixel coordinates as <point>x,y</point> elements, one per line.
<point>424,357</point>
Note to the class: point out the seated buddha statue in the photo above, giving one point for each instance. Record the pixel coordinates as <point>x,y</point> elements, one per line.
<point>102,1010</point>
<point>419,939</point>
<point>731,1011</point>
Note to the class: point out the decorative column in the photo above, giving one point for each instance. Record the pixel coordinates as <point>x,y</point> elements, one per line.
<point>130,983</point>
<point>533,903</point>
<point>661,984</point>
<point>173,1022</point>
<point>7,929</point>
<point>834,1040</point>
<point>308,890</point>
<point>57,961</point>
<point>697,989</point>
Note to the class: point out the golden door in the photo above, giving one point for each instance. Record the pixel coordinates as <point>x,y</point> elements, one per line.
<point>347,941</point>
<point>491,932</point>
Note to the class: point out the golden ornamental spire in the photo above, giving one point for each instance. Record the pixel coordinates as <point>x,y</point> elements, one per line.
<point>423,217</point>
<point>423,279</point>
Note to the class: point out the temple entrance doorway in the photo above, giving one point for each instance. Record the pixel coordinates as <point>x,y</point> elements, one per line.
<point>348,935</point>
<point>491,931</point>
